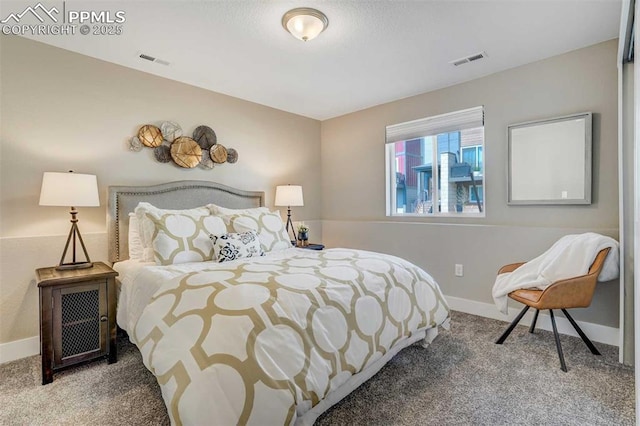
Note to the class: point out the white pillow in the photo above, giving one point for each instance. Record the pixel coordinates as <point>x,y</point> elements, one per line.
<point>219,210</point>
<point>147,227</point>
<point>182,238</point>
<point>234,246</point>
<point>136,249</point>
<point>269,226</point>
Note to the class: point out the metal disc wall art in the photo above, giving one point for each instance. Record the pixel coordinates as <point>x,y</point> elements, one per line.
<point>150,135</point>
<point>205,161</point>
<point>232,155</point>
<point>162,153</point>
<point>218,153</point>
<point>169,145</point>
<point>170,130</point>
<point>134,144</point>
<point>186,152</point>
<point>205,136</point>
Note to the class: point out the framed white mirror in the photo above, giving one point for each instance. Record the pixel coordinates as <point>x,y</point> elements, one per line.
<point>550,161</point>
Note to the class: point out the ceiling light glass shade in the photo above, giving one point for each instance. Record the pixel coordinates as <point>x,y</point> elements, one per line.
<point>289,195</point>
<point>69,189</point>
<point>305,23</point>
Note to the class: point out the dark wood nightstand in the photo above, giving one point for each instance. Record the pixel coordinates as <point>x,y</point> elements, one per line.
<point>314,247</point>
<point>77,316</point>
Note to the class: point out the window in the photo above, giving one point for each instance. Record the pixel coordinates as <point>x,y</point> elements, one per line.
<point>473,156</point>
<point>454,143</point>
<point>472,194</point>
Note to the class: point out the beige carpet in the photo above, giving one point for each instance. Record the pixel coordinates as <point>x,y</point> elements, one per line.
<point>462,379</point>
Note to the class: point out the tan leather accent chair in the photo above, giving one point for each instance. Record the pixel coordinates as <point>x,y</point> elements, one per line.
<point>565,294</point>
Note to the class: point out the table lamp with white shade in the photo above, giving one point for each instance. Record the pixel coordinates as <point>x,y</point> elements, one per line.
<point>289,196</point>
<point>70,190</point>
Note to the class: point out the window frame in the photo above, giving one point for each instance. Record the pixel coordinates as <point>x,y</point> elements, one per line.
<point>480,190</point>
<point>391,172</point>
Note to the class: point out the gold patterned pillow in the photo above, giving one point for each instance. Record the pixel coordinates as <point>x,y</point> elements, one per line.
<point>147,227</point>
<point>269,226</point>
<point>182,238</point>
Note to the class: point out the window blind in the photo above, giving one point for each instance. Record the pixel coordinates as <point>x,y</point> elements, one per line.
<point>430,126</point>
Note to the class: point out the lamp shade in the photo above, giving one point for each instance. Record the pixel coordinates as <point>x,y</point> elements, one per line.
<point>289,195</point>
<point>69,189</point>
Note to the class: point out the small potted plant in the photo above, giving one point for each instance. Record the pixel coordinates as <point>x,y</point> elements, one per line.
<point>303,235</point>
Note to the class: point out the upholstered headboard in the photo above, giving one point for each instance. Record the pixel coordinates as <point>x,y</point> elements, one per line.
<point>173,195</point>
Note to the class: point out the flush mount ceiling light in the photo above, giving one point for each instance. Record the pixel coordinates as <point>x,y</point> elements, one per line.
<point>305,23</point>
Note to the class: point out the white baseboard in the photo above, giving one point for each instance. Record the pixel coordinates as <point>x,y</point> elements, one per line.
<point>595,332</point>
<point>17,349</point>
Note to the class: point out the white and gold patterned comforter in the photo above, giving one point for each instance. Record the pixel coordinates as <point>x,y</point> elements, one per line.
<point>263,340</point>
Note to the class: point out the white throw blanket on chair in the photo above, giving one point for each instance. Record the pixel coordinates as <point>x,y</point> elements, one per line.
<point>571,256</point>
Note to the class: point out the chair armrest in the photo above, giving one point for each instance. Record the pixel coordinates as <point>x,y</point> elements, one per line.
<point>510,267</point>
<point>575,292</point>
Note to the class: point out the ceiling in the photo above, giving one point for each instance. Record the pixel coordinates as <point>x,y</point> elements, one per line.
<point>372,52</point>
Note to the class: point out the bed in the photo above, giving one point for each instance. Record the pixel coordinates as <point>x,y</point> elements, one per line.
<point>270,340</point>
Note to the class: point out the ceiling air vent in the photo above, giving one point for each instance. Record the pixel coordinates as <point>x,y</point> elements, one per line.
<point>469,58</point>
<point>152,59</point>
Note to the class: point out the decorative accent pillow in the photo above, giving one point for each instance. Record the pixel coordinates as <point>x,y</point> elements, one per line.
<point>147,227</point>
<point>182,238</point>
<point>223,211</point>
<point>269,226</point>
<point>136,249</point>
<point>236,246</point>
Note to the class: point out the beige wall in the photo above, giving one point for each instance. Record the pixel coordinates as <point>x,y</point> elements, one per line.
<point>64,111</point>
<point>353,176</point>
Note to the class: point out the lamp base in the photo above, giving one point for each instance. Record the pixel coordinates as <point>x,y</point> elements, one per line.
<point>76,265</point>
<point>74,234</point>
<point>290,223</point>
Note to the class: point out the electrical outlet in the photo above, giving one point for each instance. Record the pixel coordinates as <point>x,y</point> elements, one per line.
<point>459,270</point>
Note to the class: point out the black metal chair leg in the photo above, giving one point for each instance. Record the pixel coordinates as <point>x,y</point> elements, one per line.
<point>533,324</point>
<point>563,366</point>
<point>515,322</point>
<point>585,339</point>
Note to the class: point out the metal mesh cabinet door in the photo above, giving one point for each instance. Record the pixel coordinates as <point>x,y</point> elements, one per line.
<point>79,322</point>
